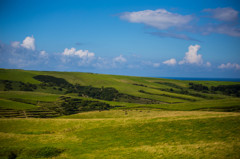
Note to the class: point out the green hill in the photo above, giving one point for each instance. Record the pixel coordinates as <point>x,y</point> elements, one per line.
<point>85,115</point>
<point>43,91</point>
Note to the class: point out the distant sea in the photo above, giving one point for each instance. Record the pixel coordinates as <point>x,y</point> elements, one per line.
<point>203,79</point>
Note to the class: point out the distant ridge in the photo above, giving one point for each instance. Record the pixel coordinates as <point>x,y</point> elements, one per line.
<point>203,79</point>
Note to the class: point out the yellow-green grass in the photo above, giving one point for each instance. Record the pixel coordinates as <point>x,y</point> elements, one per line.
<point>28,95</point>
<point>114,134</point>
<point>8,104</point>
<point>187,106</point>
<point>140,114</point>
<point>38,96</point>
<point>124,84</point>
<point>18,75</point>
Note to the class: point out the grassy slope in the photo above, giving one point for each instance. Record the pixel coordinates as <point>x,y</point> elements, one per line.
<point>112,134</point>
<point>124,84</point>
<point>15,105</point>
<point>135,132</point>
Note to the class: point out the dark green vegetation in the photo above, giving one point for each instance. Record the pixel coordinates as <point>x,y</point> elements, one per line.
<point>230,90</point>
<point>106,116</point>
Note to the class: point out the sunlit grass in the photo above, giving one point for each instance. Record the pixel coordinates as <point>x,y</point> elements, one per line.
<point>138,134</point>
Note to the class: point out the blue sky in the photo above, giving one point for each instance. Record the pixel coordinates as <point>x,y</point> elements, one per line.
<point>142,38</point>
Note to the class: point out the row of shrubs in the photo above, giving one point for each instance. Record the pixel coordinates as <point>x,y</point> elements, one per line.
<point>166,95</point>
<point>186,92</point>
<point>69,105</point>
<point>232,90</point>
<point>104,93</point>
<point>16,85</point>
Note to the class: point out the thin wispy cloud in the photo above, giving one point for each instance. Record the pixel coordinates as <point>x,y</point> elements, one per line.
<point>224,21</point>
<point>223,14</point>
<point>172,35</point>
<point>120,59</point>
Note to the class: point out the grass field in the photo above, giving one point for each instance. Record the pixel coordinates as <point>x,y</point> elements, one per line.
<point>115,134</point>
<point>170,120</point>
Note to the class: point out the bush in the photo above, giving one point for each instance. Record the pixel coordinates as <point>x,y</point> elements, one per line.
<point>47,152</point>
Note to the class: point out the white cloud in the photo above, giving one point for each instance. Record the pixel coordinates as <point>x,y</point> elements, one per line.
<point>110,63</point>
<point>120,59</point>
<point>229,66</point>
<point>43,53</point>
<point>229,22</point>
<point>156,64</point>
<point>15,44</point>
<point>170,62</point>
<point>102,63</point>
<point>29,43</point>
<point>191,57</point>
<point>160,18</point>
<point>208,64</point>
<point>223,14</point>
<point>226,29</point>
<point>150,63</point>
<point>83,54</point>
<point>78,57</point>
<point>165,20</point>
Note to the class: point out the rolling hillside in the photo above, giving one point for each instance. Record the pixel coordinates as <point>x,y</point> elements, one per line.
<point>40,93</point>
<point>85,115</point>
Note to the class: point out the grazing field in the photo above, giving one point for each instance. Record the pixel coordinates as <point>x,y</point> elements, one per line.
<point>124,134</point>
<point>86,115</point>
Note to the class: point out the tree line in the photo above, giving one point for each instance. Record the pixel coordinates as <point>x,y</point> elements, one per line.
<point>231,90</point>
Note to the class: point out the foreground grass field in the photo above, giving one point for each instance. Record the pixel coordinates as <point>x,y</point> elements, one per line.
<point>83,115</point>
<point>124,134</point>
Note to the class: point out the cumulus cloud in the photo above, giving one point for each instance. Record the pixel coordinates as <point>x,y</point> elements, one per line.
<point>84,57</point>
<point>29,43</point>
<point>170,62</point>
<point>192,56</point>
<point>229,66</point>
<point>223,14</point>
<point>79,53</point>
<point>160,18</point>
<point>120,59</point>
<point>22,55</point>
